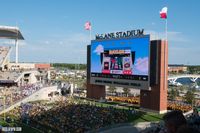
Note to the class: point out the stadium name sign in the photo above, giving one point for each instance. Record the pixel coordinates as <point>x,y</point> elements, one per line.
<point>115,35</point>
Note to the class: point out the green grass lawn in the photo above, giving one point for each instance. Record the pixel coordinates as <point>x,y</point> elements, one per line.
<point>145,117</point>
<point>132,118</point>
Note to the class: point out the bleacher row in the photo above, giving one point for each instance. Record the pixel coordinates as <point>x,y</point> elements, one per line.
<point>9,75</point>
<point>18,94</point>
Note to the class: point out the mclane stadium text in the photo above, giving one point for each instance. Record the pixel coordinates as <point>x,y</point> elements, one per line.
<point>121,34</point>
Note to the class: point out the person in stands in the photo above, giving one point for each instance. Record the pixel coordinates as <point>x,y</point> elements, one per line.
<point>187,129</point>
<point>174,120</point>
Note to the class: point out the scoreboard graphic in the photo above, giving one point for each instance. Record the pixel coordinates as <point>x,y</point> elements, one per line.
<point>120,62</point>
<point>117,61</point>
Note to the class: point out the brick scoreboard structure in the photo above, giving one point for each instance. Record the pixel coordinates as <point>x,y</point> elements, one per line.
<point>93,91</point>
<point>154,100</point>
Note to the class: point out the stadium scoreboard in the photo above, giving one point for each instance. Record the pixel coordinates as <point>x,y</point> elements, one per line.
<point>121,61</point>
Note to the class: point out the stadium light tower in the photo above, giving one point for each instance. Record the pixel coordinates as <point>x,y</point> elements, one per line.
<point>8,32</point>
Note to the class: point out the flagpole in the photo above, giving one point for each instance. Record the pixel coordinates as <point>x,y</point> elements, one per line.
<point>166,29</point>
<point>91,34</point>
<point>163,15</point>
<point>165,63</point>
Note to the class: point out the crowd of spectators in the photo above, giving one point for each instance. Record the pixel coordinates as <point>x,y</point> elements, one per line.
<point>175,105</point>
<point>132,100</point>
<point>171,105</point>
<point>70,117</point>
<point>16,94</point>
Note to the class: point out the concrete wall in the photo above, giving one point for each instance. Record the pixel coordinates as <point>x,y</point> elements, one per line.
<point>32,78</point>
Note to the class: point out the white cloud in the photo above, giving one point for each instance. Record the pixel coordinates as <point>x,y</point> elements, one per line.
<point>171,36</point>
<point>60,48</point>
<point>141,65</point>
<point>184,55</point>
<point>99,49</point>
<point>70,40</point>
<point>61,42</point>
<point>77,39</point>
<point>182,49</point>
<point>46,42</point>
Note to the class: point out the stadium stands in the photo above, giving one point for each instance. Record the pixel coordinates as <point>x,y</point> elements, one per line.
<point>9,75</point>
<point>16,94</point>
<point>69,117</point>
<point>4,53</point>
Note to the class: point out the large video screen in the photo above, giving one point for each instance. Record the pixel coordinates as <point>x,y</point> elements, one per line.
<point>121,62</point>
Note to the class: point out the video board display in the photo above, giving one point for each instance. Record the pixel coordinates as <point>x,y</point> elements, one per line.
<point>121,62</point>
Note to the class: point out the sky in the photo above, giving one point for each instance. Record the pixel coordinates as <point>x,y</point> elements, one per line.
<point>54,29</point>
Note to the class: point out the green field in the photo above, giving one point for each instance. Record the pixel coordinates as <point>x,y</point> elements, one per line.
<point>133,118</point>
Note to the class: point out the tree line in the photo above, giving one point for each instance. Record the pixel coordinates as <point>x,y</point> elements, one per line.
<point>194,69</point>
<point>69,66</point>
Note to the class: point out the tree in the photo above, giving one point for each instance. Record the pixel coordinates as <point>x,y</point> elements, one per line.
<point>183,88</point>
<point>112,89</point>
<point>83,84</point>
<point>198,83</point>
<point>126,91</point>
<point>193,85</point>
<point>189,97</point>
<point>173,93</point>
<point>194,69</point>
<point>69,66</point>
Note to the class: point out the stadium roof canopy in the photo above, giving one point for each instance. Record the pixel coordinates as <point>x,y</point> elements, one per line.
<point>8,32</point>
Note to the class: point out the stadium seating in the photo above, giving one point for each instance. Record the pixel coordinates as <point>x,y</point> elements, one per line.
<point>4,53</point>
<point>18,94</point>
<point>69,116</point>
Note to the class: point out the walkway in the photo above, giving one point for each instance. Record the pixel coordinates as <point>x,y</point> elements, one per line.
<point>125,128</point>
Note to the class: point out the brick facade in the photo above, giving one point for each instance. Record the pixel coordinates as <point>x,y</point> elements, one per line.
<point>156,99</point>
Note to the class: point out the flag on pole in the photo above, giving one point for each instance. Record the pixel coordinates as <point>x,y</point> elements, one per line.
<point>163,13</point>
<point>88,25</point>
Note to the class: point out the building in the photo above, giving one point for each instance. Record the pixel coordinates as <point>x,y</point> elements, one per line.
<point>177,68</point>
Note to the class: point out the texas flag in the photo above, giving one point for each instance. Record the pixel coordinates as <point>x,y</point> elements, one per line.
<point>88,25</point>
<point>163,13</point>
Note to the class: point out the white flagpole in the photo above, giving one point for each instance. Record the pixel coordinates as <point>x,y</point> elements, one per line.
<point>91,34</point>
<point>166,29</point>
<point>165,65</point>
